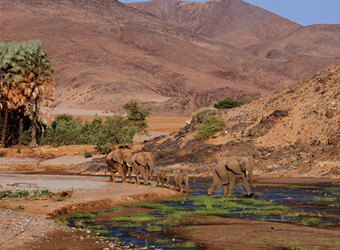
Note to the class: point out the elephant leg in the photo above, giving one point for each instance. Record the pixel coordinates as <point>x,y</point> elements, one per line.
<point>137,178</point>
<point>129,174</point>
<point>215,183</point>
<point>122,174</point>
<point>246,185</point>
<point>225,189</point>
<point>145,174</point>
<point>250,179</point>
<point>112,176</point>
<point>174,187</point>
<point>232,180</point>
<point>181,187</point>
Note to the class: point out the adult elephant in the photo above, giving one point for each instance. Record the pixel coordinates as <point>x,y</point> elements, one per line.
<point>119,160</point>
<point>230,170</point>
<point>182,181</point>
<point>142,163</point>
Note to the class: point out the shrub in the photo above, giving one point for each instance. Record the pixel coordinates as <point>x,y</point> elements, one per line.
<point>200,110</point>
<point>87,154</point>
<point>209,126</point>
<point>229,103</point>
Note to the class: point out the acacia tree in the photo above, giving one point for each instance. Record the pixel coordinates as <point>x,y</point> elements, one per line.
<point>26,77</point>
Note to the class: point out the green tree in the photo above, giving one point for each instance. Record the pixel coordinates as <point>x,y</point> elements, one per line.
<point>229,103</point>
<point>137,115</point>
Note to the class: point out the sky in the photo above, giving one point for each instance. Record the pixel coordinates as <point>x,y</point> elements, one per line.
<point>304,12</point>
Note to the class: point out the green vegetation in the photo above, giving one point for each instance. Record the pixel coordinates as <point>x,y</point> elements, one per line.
<point>38,193</point>
<point>310,221</point>
<point>20,193</point>
<point>153,228</point>
<point>325,199</point>
<point>200,110</point>
<point>87,154</point>
<point>187,244</point>
<point>64,130</point>
<point>136,115</point>
<point>209,126</point>
<point>95,226</point>
<point>332,189</point>
<point>229,103</point>
<point>134,218</point>
<point>158,206</point>
<point>20,207</point>
<point>116,209</point>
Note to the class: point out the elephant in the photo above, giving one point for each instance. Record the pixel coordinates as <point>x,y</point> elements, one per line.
<point>163,176</point>
<point>182,181</point>
<point>230,170</point>
<point>142,163</point>
<point>119,160</point>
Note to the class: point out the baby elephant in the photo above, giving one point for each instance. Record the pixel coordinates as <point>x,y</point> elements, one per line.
<point>181,180</point>
<point>162,177</point>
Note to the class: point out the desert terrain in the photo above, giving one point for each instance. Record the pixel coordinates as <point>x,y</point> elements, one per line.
<point>177,57</point>
<point>106,53</point>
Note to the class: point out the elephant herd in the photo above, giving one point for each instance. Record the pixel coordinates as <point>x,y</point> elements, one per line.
<point>227,172</point>
<point>124,162</point>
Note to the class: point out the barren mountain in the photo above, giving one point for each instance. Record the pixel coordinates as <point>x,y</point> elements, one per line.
<point>296,50</point>
<point>106,53</point>
<point>231,21</point>
<point>295,132</point>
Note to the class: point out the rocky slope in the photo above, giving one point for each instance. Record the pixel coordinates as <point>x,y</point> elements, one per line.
<point>295,132</point>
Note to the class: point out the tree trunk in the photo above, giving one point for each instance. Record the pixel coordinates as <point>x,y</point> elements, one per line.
<point>33,143</point>
<point>21,130</point>
<point>4,128</point>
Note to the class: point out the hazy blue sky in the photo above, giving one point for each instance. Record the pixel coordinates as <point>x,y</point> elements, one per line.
<point>305,12</point>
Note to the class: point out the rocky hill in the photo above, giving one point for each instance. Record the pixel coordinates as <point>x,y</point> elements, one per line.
<point>106,53</point>
<point>294,132</point>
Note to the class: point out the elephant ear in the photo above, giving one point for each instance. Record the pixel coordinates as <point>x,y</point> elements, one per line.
<point>233,165</point>
<point>140,159</point>
<point>127,155</point>
<point>118,157</point>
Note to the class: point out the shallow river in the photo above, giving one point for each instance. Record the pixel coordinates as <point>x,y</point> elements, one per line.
<point>317,205</point>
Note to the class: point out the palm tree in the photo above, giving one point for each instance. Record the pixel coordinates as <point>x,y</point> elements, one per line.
<point>38,85</point>
<point>10,96</point>
<point>26,81</point>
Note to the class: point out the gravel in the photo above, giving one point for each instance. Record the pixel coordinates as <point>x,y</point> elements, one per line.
<point>16,227</point>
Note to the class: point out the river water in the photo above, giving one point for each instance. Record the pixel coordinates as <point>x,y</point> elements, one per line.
<point>317,205</point>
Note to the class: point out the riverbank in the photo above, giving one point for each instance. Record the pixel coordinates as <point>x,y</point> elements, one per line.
<point>28,223</point>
